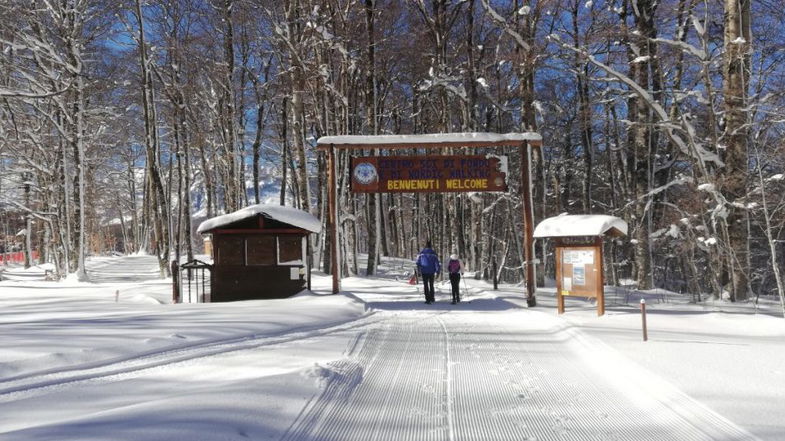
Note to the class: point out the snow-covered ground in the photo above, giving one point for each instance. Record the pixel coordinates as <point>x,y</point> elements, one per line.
<point>114,360</point>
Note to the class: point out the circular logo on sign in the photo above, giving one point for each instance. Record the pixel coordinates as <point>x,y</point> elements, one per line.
<point>365,174</point>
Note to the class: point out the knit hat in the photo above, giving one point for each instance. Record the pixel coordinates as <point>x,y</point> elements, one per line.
<point>454,256</point>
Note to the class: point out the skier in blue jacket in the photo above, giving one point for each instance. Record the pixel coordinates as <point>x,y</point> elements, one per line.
<point>428,264</point>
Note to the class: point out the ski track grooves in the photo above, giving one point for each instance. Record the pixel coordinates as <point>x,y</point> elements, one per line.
<point>453,376</point>
<point>448,381</point>
<point>11,388</point>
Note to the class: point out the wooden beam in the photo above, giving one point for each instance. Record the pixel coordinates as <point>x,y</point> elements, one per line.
<point>308,261</point>
<point>559,276</point>
<point>269,231</point>
<point>600,267</point>
<point>528,229</point>
<point>332,221</point>
<point>424,145</point>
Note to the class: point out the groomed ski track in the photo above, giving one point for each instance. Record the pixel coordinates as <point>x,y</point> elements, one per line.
<point>485,369</point>
<point>500,375</point>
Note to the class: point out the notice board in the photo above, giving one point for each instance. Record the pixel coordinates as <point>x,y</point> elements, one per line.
<point>579,270</point>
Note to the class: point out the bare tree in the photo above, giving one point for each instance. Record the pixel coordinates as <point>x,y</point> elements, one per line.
<point>155,199</point>
<point>733,182</point>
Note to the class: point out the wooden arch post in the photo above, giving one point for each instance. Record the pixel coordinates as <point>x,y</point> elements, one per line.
<point>332,218</point>
<point>523,141</point>
<point>528,218</point>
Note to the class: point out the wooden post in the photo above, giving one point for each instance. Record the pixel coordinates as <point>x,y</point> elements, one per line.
<point>528,229</point>
<point>559,303</point>
<point>600,267</point>
<point>175,282</point>
<point>333,217</point>
<point>643,320</point>
<point>308,260</point>
<point>559,275</point>
<point>495,275</point>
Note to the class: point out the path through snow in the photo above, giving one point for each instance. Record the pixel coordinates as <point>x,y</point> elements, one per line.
<point>80,363</point>
<point>473,375</point>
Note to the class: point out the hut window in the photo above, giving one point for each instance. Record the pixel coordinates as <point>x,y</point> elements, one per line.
<point>261,250</point>
<point>290,250</point>
<point>231,251</point>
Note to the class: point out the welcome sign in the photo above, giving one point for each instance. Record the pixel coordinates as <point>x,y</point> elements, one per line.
<point>409,174</point>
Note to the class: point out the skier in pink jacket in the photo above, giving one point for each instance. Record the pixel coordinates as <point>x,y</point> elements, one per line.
<point>455,269</point>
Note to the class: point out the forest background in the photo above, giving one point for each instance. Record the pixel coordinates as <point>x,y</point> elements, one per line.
<point>124,124</point>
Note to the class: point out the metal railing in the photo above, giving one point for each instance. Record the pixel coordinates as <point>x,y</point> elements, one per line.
<point>192,282</point>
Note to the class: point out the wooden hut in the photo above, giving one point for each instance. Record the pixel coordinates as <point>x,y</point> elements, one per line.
<point>260,252</point>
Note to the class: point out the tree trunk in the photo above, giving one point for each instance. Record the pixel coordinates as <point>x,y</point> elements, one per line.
<point>78,143</point>
<point>641,139</point>
<point>733,179</point>
<point>584,114</point>
<point>154,194</point>
<point>297,85</point>
<point>374,212</point>
<point>186,194</point>
<point>235,184</point>
<point>284,149</point>
<point>257,143</point>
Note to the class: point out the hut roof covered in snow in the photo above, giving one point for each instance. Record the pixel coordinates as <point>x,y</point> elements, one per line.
<point>287,215</point>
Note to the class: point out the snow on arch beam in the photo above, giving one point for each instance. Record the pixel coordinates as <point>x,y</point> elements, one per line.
<point>429,141</point>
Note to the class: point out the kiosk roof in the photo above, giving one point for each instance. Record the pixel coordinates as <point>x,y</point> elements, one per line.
<point>581,225</point>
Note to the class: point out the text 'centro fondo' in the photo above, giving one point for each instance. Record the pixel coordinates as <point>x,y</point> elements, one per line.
<point>401,174</point>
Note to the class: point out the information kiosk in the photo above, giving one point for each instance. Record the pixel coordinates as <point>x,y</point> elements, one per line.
<point>579,261</point>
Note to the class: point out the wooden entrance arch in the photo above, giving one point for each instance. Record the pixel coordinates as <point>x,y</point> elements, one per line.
<point>523,141</point>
